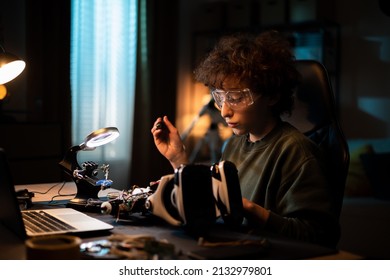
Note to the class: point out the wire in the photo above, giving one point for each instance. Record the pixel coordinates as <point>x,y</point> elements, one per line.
<point>62,186</point>
<point>50,188</point>
<point>59,194</point>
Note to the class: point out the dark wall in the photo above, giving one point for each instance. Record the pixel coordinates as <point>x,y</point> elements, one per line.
<point>39,32</point>
<point>48,58</point>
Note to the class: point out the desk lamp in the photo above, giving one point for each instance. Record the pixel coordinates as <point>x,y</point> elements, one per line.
<point>88,185</point>
<point>10,66</point>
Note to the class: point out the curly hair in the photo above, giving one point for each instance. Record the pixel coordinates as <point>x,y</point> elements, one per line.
<point>264,61</point>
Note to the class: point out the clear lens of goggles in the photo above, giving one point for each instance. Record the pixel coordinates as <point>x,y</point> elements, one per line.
<point>236,99</point>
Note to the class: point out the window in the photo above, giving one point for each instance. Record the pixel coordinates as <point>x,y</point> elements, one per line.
<point>103,71</point>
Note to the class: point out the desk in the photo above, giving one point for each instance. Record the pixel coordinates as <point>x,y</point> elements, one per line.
<point>276,248</point>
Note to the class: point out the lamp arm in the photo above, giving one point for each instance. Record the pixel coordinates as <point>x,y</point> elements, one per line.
<point>69,162</point>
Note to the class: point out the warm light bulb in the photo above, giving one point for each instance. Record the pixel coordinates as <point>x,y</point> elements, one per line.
<point>11,70</point>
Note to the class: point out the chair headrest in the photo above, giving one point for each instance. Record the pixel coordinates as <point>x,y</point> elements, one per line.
<point>314,98</point>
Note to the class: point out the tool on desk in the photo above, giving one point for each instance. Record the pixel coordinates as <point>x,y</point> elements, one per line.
<point>16,220</point>
<point>86,176</point>
<point>134,247</point>
<point>53,247</point>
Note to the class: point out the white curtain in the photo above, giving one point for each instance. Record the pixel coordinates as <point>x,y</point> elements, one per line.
<point>103,71</point>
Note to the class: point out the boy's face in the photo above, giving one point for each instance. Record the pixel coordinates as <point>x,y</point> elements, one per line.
<point>254,119</point>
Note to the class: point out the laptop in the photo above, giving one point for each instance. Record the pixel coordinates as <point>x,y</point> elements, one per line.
<point>13,218</point>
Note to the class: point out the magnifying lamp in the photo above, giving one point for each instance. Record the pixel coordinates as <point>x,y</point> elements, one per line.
<point>88,185</point>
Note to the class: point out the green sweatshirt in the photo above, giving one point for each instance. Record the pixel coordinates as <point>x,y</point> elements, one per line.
<point>283,173</point>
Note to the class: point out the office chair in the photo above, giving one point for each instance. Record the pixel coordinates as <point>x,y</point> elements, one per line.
<point>315,115</point>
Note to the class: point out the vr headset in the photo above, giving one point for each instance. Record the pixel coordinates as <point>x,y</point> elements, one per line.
<point>196,195</point>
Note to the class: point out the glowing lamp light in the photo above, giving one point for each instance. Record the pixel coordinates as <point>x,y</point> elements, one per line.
<point>10,66</point>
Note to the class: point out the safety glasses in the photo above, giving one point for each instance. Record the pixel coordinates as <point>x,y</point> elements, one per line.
<point>235,98</point>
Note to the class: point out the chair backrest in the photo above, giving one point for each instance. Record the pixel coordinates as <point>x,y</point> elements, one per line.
<point>315,115</point>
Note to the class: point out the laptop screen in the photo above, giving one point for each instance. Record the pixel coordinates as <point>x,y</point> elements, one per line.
<point>10,216</point>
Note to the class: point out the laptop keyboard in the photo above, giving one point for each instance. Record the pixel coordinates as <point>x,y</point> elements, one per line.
<point>41,222</point>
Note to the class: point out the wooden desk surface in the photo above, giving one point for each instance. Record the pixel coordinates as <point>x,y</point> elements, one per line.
<point>55,191</point>
<point>278,248</point>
